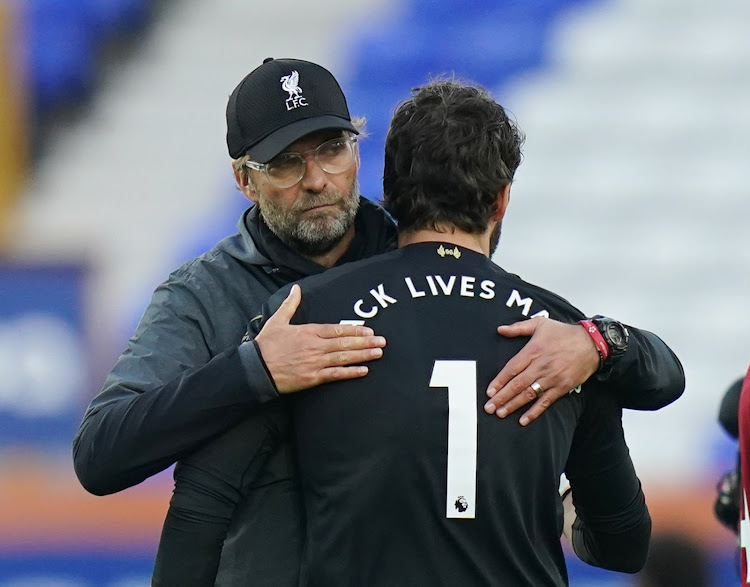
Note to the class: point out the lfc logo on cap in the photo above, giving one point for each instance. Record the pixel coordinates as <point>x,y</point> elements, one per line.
<point>290,83</point>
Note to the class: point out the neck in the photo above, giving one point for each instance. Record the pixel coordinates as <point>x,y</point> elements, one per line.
<point>475,242</point>
<point>330,258</point>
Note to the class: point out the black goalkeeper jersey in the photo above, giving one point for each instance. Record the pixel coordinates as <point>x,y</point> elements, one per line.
<point>406,480</point>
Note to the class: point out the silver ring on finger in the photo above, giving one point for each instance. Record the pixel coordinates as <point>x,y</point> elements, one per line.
<point>537,388</point>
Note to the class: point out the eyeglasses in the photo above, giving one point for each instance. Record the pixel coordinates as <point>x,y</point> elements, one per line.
<point>287,169</point>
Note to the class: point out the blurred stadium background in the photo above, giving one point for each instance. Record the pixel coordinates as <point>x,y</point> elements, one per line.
<point>631,202</point>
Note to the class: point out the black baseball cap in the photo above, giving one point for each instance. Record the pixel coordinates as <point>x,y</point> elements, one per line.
<point>278,103</point>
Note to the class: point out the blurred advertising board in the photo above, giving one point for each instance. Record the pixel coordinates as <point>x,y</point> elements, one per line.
<point>52,532</point>
<point>43,355</point>
<point>86,569</point>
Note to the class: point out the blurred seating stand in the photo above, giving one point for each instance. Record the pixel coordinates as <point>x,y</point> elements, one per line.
<point>479,42</point>
<point>12,116</point>
<point>65,42</point>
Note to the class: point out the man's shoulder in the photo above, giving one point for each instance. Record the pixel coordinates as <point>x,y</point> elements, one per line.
<point>231,251</point>
<point>228,254</point>
<point>216,279</point>
<point>546,296</point>
<point>200,269</point>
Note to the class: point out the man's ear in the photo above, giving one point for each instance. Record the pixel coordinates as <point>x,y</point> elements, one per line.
<point>242,179</point>
<point>503,198</point>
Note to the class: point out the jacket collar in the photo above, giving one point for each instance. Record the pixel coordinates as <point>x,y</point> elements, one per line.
<point>255,244</point>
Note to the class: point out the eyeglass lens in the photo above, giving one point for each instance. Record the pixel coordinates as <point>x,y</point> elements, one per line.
<point>334,156</point>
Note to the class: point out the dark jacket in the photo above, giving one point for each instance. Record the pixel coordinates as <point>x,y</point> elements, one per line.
<point>184,376</point>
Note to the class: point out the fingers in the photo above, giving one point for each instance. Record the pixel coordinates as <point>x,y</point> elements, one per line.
<point>545,400</point>
<point>302,356</point>
<point>340,330</point>
<point>333,338</point>
<point>528,395</point>
<point>332,367</point>
<point>557,357</point>
<point>508,383</point>
<point>516,365</point>
<point>288,307</point>
<point>522,328</point>
<point>541,401</point>
<point>344,358</point>
<point>341,373</point>
<point>515,395</point>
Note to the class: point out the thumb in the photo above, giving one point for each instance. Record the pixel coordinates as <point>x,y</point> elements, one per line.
<point>522,328</point>
<point>288,307</point>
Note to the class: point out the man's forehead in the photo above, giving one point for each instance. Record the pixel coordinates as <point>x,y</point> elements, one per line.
<point>313,139</point>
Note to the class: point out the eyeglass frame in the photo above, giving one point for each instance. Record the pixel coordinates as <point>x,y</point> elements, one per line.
<point>350,140</point>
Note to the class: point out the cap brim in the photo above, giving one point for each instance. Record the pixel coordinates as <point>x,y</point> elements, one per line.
<point>279,140</point>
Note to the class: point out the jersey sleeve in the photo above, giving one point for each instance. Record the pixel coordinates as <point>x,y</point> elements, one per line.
<point>165,395</point>
<point>648,376</point>
<point>743,417</point>
<point>209,484</point>
<point>613,525</point>
<point>729,407</point>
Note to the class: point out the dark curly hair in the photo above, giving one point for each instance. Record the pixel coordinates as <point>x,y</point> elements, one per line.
<point>449,152</point>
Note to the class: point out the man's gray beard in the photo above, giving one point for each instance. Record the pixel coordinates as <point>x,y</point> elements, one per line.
<point>315,236</point>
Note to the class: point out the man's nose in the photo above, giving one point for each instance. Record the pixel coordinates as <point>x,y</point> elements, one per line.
<point>315,179</point>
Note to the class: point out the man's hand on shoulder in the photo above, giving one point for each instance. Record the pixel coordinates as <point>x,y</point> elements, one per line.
<point>558,358</point>
<point>302,356</point>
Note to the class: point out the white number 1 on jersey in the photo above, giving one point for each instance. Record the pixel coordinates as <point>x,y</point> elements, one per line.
<point>460,377</point>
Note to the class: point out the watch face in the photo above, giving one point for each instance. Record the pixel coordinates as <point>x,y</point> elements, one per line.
<point>615,335</point>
